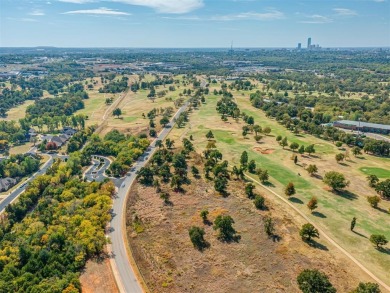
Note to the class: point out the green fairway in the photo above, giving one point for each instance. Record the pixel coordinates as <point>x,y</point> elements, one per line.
<point>379,172</point>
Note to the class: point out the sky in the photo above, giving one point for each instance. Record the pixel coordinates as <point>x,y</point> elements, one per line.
<point>194,23</point>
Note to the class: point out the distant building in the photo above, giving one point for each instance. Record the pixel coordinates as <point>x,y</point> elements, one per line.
<point>299,46</point>
<point>309,43</point>
<point>7,183</point>
<point>362,126</point>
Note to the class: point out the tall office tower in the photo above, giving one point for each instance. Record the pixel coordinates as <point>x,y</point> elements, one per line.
<point>299,46</point>
<point>308,43</point>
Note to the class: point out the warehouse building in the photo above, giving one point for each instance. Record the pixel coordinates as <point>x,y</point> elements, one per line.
<point>362,126</point>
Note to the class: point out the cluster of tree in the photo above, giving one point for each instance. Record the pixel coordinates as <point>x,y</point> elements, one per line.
<point>53,123</point>
<point>125,149</point>
<point>381,187</point>
<point>10,132</point>
<point>66,105</point>
<point>48,235</point>
<point>12,98</point>
<point>19,166</point>
<point>77,141</point>
<point>241,84</point>
<point>145,85</point>
<point>115,86</point>
<point>295,116</point>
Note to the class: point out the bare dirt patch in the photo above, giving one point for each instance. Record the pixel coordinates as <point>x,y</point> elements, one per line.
<point>98,277</point>
<point>169,262</point>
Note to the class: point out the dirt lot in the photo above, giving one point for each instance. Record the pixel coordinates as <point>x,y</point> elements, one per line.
<point>169,262</point>
<point>98,278</point>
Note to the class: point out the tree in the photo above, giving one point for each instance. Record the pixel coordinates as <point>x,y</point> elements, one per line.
<point>383,188</point>
<point>159,144</point>
<point>269,226</point>
<point>295,160</point>
<point>372,180</point>
<point>257,129</point>
<point>294,146</point>
<point>356,151</point>
<point>278,138</point>
<point>312,204</point>
<point>249,187</point>
<point>373,200</point>
<point>164,121</point>
<point>195,172</point>
<point>367,288</point>
<point>117,112</point>
<point>378,240</point>
<point>339,157</point>
<point>220,184</point>
<point>353,223</point>
<point>252,166</point>
<point>313,281</point>
<point>308,231</point>
<point>267,130</point>
<point>258,137</point>
<point>225,226</point>
<point>259,202</point>
<point>290,189</point>
<point>284,142</point>
<point>263,175</point>
<point>310,149</point>
<point>244,159</point>
<point>312,169</point>
<point>301,150</point>
<point>335,180</point>
<point>209,135</point>
<point>169,143</point>
<point>197,237</point>
<point>203,215</point>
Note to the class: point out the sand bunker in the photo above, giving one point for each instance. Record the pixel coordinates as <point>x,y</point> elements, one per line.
<point>264,151</point>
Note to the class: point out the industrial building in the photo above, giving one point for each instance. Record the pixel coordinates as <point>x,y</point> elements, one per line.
<point>363,126</point>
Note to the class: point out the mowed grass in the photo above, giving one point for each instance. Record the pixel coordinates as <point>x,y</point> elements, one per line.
<point>379,172</point>
<point>18,112</point>
<point>335,211</point>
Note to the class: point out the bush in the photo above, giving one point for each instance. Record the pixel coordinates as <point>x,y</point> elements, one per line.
<point>197,237</point>
<point>308,231</point>
<point>259,202</point>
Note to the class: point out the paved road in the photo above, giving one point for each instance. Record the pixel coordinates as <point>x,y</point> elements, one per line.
<point>96,173</point>
<point>123,271</point>
<point>19,190</point>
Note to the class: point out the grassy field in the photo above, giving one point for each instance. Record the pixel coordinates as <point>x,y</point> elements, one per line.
<point>18,112</point>
<point>379,172</point>
<point>335,210</point>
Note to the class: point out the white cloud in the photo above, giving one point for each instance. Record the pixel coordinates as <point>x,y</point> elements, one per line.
<point>344,12</point>
<point>379,1</point>
<point>270,15</point>
<point>37,12</point>
<point>316,18</point>
<point>167,6</point>
<point>24,19</point>
<point>98,11</point>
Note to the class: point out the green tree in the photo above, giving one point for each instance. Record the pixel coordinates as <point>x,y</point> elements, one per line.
<point>335,180</point>
<point>284,142</point>
<point>339,157</point>
<point>117,112</point>
<point>353,223</point>
<point>295,160</point>
<point>294,146</point>
<point>259,202</point>
<point>367,288</point>
<point>308,231</point>
<point>252,166</point>
<point>195,171</point>
<point>313,281</point>
<point>372,180</point>
<point>197,237</point>
<point>278,138</point>
<point>301,150</point>
<point>356,151</point>
<point>258,137</point>
<point>290,189</point>
<point>220,184</point>
<point>169,143</point>
<point>267,130</point>
<point>249,187</point>
<point>257,129</point>
<point>209,135</point>
<point>269,226</point>
<point>244,159</point>
<point>164,121</point>
<point>224,223</point>
<point>312,169</point>
<point>203,214</point>
<point>263,175</point>
<point>383,188</point>
<point>378,240</point>
<point>373,201</point>
<point>310,149</point>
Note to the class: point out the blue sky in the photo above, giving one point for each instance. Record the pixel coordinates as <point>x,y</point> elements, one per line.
<point>194,23</point>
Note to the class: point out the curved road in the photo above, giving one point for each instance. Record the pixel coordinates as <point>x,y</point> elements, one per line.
<point>123,271</point>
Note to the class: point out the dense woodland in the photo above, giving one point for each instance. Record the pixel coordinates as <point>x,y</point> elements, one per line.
<point>54,228</point>
<point>19,166</point>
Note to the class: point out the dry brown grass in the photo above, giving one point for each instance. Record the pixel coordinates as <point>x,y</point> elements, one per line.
<point>169,262</point>
<point>98,278</point>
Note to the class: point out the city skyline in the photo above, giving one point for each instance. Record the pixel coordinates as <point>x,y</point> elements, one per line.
<point>167,23</point>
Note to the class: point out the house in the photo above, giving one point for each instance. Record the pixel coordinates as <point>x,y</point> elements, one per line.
<point>7,183</point>
<point>69,131</point>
